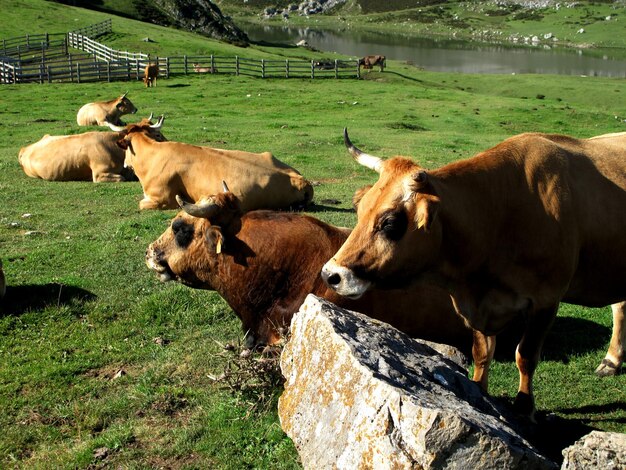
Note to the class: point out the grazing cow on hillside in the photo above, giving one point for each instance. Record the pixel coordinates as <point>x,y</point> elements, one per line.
<point>200,69</point>
<point>510,233</point>
<point>264,263</point>
<point>102,112</point>
<point>167,169</point>
<point>150,75</point>
<point>90,156</point>
<point>369,61</point>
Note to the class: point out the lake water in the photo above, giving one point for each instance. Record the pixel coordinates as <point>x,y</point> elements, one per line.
<point>447,55</point>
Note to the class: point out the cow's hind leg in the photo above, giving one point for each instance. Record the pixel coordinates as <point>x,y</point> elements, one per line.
<point>527,357</point>
<point>612,362</point>
<point>483,348</point>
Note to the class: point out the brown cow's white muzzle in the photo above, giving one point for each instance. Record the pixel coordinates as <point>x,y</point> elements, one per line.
<point>343,280</point>
<point>154,261</point>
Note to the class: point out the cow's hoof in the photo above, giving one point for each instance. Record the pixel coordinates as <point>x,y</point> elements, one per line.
<point>607,368</point>
<point>524,405</point>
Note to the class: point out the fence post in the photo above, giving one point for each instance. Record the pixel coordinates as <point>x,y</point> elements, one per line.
<point>286,68</point>
<point>236,65</point>
<point>69,58</point>
<point>108,71</point>
<point>167,66</point>
<point>312,69</point>
<point>262,68</point>
<point>212,64</point>
<point>185,63</point>
<point>49,74</point>
<point>78,72</point>
<point>358,70</point>
<point>40,73</point>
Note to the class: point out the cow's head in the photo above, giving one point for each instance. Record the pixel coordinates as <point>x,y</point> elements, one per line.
<point>189,250</point>
<point>124,105</point>
<point>126,134</point>
<point>397,235</point>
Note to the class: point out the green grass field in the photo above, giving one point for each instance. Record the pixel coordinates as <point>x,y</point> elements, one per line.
<point>96,353</point>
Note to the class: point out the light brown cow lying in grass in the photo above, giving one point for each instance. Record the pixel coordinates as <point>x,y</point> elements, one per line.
<point>91,156</point>
<point>167,169</point>
<point>101,112</point>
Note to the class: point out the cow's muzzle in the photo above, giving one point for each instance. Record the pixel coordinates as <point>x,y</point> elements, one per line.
<point>155,261</point>
<point>343,280</point>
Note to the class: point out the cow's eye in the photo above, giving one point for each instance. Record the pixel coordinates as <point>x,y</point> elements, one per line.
<point>394,225</point>
<point>183,232</point>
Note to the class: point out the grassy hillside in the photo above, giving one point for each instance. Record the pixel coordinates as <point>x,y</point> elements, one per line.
<point>102,366</point>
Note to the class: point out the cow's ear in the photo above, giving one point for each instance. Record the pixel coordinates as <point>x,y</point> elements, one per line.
<point>419,181</point>
<point>358,195</point>
<point>425,212</point>
<point>215,239</point>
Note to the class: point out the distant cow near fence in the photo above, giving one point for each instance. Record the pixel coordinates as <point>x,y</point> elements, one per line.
<point>150,75</point>
<point>200,69</point>
<point>369,61</point>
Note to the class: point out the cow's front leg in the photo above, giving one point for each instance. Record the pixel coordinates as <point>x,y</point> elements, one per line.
<point>483,348</point>
<point>612,362</point>
<point>108,178</point>
<point>527,357</point>
<point>147,204</point>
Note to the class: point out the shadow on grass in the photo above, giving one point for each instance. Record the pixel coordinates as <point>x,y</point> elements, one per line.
<point>20,299</point>
<point>314,207</point>
<point>567,336</point>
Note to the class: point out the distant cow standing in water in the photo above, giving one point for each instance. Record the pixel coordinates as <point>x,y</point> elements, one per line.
<point>369,61</point>
<point>150,75</point>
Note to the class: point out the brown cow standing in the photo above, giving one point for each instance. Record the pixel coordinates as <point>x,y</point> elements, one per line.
<point>167,169</point>
<point>510,233</point>
<point>369,61</point>
<point>102,112</point>
<point>150,75</point>
<point>90,156</point>
<point>264,263</point>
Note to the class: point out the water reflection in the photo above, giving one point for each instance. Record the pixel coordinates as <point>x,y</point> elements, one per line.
<point>446,55</point>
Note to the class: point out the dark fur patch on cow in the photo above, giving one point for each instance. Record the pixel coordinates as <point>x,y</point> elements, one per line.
<point>183,232</point>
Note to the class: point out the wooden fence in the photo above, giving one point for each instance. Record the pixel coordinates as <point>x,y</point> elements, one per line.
<point>45,60</point>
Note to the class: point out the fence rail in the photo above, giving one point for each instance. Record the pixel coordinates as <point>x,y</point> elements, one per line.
<point>38,58</point>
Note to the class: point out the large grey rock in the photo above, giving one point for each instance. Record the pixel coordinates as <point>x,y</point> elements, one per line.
<point>601,450</point>
<point>360,394</point>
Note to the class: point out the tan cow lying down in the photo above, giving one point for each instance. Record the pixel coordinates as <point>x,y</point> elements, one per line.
<point>167,169</point>
<point>510,233</point>
<point>102,112</point>
<point>264,263</point>
<point>91,156</point>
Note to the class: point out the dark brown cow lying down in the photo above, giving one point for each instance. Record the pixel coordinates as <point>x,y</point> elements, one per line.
<point>264,263</point>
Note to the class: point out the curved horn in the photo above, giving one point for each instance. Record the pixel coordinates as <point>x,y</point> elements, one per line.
<point>206,208</point>
<point>369,161</point>
<point>159,123</point>
<point>150,118</point>
<point>124,95</point>
<point>225,187</point>
<point>115,128</point>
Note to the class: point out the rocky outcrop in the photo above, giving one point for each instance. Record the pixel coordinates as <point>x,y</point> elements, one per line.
<point>305,8</point>
<point>360,394</point>
<point>605,450</point>
<point>203,17</point>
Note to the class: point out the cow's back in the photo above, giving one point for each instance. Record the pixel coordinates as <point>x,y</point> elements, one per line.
<point>91,114</point>
<point>71,158</point>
